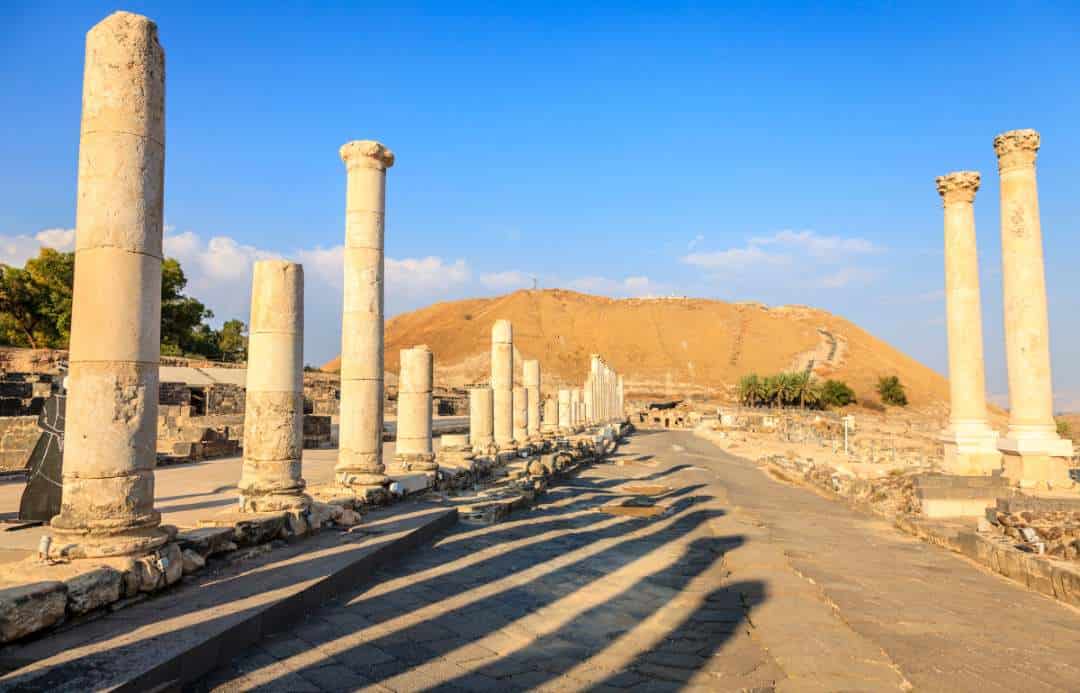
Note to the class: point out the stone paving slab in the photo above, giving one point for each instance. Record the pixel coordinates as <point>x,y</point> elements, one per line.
<point>181,634</point>
<point>560,597</point>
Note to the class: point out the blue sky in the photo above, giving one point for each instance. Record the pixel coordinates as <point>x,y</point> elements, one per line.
<point>776,153</point>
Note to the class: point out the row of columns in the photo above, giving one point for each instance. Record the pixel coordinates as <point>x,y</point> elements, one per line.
<point>1031,452</point>
<point>603,392</point>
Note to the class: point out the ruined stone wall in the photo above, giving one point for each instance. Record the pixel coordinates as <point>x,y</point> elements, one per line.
<point>18,434</point>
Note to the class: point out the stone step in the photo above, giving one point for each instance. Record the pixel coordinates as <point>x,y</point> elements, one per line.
<point>179,635</point>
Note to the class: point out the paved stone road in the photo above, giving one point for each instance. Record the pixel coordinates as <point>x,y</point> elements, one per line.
<point>740,583</point>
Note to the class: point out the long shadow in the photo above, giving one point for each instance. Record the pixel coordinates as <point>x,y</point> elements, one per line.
<point>218,503</point>
<point>554,654</point>
<point>208,599</point>
<point>414,645</point>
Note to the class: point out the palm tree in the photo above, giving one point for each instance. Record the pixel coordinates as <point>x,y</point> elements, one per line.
<point>749,389</point>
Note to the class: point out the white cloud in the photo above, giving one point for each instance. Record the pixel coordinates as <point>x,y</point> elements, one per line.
<point>424,277</point>
<point>809,260</point>
<point>694,242</point>
<point>16,250</point>
<point>510,280</point>
<point>636,286</point>
<point>735,259</point>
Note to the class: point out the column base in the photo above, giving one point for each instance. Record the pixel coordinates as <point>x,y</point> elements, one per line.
<point>416,461</point>
<point>102,539</point>
<point>1041,462</point>
<point>971,450</point>
<point>273,503</point>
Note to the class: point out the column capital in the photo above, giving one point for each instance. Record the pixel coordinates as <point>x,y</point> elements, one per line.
<point>366,154</point>
<point>1016,148</point>
<point>958,186</point>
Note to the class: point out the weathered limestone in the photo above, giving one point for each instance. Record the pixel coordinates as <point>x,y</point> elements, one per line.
<point>565,422</point>
<point>594,381</point>
<point>521,414</point>
<point>481,427</point>
<point>550,425</point>
<point>360,463</point>
<point>579,407</point>
<point>620,399</point>
<point>502,382</point>
<point>413,449</point>
<point>1034,453</point>
<point>108,497</point>
<point>970,443</point>
<point>270,480</point>
<point>590,403</point>
<point>531,370</point>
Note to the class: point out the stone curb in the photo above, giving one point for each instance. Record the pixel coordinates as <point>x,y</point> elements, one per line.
<point>1056,579</point>
<point>145,666</point>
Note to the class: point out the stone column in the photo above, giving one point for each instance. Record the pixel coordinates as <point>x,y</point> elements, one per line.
<point>521,415</point>
<point>360,463</point>
<point>620,398</point>
<point>579,407</point>
<point>413,451</point>
<point>590,414</point>
<point>564,411</point>
<point>481,430</point>
<point>107,508</point>
<point>531,371</point>
<point>594,381</point>
<point>550,425</point>
<point>1033,450</point>
<point>970,443</point>
<point>502,382</point>
<point>270,480</point>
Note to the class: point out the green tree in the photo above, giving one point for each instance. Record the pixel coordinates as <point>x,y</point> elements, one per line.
<point>891,391</point>
<point>35,310</point>
<point>750,390</point>
<point>35,301</point>
<point>836,393</point>
<point>233,341</point>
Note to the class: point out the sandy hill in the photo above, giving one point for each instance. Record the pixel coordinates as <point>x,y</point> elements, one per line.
<point>665,346</point>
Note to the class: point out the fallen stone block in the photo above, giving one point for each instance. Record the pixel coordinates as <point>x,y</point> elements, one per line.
<point>192,561</point>
<point>249,528</point>
<point>26,609</point>
<point>206,541</point>
<point>97,587</point>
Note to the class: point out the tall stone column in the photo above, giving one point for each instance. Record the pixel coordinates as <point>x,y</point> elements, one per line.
<point>481,428</point>
<point>360,463</point>
<point>531,370</point>
<point>413,450</point>
<point>1033,450</point>
<point>565,423</point>
<point>270,480</point>
<point>579,406</point>
<point>502,382</point>
<point>107,506</point>
<point>521,414</point>
<point>970,443</point>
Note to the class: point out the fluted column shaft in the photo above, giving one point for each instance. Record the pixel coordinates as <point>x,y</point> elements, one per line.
<point>360,462</point>
<point>107,505</point>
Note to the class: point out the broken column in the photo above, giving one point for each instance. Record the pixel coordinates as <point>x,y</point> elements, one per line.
<point>565,424</point>
<point>270,480</point>
<point>413,450</point>
<point>481,431</point>
<point>550,426</point>
<point>107,506</point>
<point>1033,451</point>
<point>360,464</point>
<point>531,371</point>
<point>970,443</point>
<point>502,382</point>
<point>521,415</point>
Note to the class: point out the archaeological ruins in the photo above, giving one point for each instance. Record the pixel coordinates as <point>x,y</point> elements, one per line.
<point>340,480</point>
